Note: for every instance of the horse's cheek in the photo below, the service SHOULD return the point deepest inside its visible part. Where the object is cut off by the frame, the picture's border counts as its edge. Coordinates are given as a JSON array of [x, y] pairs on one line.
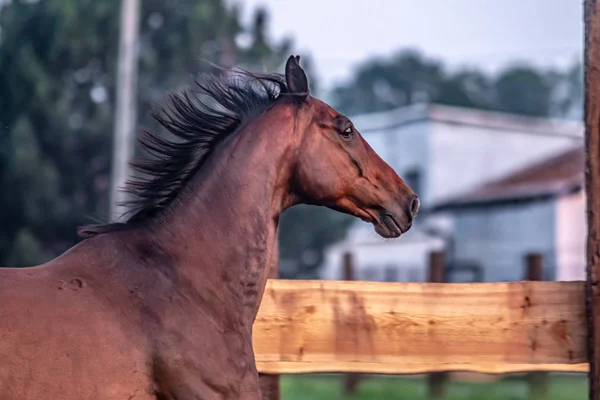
[[312, 180]]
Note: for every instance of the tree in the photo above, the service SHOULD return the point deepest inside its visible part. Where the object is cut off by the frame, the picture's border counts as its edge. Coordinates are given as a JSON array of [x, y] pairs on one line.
[[383, 84], [466, 88], [409, 77], [567, 96], [55, 125], [523, 90], [305, 233], [57, 84]]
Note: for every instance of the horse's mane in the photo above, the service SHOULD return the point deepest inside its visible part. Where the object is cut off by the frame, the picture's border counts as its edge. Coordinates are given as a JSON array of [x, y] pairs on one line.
[[196, 129]]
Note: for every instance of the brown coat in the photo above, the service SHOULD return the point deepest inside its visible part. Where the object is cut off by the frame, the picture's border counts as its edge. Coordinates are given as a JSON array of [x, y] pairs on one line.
[[162, 306]]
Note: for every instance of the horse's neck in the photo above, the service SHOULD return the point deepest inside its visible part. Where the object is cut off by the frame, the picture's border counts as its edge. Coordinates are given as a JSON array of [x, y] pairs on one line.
[[225, 231]]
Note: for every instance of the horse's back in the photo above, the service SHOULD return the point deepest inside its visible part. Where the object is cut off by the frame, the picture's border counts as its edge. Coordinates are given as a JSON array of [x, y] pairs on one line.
[[62, 338]]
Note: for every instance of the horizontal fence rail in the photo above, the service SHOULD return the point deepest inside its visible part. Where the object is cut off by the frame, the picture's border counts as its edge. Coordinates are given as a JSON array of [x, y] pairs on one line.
[[406, 328]]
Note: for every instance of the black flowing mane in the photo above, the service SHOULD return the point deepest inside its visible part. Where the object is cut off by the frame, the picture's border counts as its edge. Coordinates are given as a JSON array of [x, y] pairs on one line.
[[196, 129]]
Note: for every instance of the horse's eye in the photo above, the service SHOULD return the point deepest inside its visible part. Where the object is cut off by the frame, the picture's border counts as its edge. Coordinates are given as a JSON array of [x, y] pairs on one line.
[[347, 133]]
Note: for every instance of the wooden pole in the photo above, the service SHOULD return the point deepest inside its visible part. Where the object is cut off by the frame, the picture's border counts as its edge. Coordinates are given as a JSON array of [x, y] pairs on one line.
[[350, 380], [534, 267], [269, 384], [437, 274], [125, 109], [592, 186], [348, 267], [538, 380]]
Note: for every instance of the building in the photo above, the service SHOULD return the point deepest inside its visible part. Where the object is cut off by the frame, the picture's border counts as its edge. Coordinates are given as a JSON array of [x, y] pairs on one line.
[[442, 152], [539, 209], [376, 259]]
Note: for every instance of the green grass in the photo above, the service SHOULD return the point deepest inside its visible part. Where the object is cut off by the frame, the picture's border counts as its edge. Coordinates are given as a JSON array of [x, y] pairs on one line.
[[327, 387]]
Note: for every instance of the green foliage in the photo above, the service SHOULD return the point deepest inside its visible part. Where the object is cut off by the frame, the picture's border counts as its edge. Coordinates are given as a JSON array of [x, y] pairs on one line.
[[56, 140], [409, 77], [523, 90], [305, 233], [57, 95]]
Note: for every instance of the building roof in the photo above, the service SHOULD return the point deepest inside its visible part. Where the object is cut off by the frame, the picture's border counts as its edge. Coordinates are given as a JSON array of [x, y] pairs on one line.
[[386, 120], [555, 176]]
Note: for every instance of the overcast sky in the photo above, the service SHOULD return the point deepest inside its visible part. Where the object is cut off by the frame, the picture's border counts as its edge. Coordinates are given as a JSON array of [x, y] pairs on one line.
[[486, 33]]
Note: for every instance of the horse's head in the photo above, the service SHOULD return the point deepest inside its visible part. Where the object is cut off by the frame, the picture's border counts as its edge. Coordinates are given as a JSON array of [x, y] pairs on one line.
[[337, 168]]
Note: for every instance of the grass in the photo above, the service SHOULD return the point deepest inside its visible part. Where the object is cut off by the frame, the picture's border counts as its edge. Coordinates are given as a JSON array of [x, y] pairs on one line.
[[328, 387]]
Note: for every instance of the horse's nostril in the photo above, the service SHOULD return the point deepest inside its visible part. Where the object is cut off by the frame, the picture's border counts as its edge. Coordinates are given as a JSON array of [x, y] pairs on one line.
[[414, 206]]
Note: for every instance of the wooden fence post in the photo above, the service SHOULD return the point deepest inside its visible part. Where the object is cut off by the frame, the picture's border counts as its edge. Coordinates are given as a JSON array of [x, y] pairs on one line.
[[437, 380], [534, 265], [350, 380], [269, 384], [348, 267], [592, 186], [538, 380]]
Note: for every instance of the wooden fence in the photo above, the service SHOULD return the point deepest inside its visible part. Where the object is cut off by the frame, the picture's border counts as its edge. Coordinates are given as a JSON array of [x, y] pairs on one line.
[[406, 328]]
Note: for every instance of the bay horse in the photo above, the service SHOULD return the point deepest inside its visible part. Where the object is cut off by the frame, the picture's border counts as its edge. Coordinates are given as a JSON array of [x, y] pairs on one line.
[[161, 305]]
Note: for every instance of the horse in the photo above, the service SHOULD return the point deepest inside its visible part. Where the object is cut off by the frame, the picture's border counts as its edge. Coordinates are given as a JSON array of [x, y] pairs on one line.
[[160, 305]]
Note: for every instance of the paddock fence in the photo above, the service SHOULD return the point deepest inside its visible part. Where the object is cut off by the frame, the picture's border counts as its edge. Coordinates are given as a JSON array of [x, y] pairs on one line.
[[360, 327], [409, 328]]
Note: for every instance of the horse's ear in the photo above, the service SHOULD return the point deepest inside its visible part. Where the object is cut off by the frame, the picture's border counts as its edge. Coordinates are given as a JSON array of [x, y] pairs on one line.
[[296, 79]]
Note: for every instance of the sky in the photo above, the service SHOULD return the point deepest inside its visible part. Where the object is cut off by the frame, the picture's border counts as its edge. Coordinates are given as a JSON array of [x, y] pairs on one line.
[[488, 34]]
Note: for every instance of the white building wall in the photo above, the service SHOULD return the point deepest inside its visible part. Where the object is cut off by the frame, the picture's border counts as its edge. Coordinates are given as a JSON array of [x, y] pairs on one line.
[[462, 156], [499, 237], [374, 258], [571, 233], [404, 148], [451, 158]]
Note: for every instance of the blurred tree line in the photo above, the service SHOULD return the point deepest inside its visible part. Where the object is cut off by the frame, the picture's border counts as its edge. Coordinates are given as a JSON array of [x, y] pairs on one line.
[[58, 63], [57, 96], [410, 77]]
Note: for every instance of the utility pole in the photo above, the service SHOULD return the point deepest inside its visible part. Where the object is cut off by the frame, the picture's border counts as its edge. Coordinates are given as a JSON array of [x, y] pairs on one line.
[[125, 112]]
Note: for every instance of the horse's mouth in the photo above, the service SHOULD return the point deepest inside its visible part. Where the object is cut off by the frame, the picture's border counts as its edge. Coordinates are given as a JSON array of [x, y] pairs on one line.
[[393, 225], [385, 224], [388, 227]]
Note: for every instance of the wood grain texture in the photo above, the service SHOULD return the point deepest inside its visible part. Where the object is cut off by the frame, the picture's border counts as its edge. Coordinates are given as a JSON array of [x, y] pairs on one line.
[[402, 328], [592, 177], [538, 380], [269, 383], [437, 274], [351, 380]]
